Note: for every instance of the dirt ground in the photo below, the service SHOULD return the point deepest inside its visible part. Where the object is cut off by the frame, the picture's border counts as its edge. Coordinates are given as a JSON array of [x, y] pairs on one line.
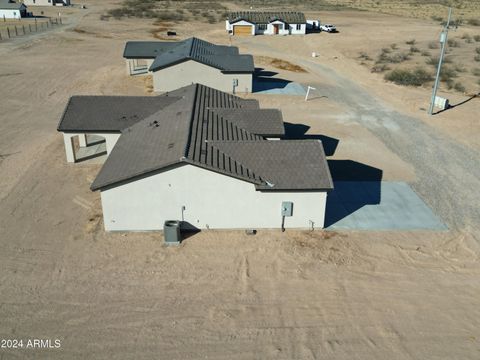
[[223, 294]]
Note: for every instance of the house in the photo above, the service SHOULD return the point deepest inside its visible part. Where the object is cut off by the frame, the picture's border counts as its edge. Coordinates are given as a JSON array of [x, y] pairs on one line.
[[9, 9], [201, 156], [266, 22], [181, 63], [47, 2]]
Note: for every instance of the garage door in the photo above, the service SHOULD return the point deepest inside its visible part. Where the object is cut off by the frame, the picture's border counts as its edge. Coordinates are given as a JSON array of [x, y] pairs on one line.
[[242, 30]]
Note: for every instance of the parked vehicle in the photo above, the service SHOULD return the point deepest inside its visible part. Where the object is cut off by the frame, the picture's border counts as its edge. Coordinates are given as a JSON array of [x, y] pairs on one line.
[[328, 28]]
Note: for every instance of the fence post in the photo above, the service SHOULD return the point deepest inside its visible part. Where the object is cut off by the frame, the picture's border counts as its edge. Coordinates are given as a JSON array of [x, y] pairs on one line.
[[36, 26], [23, 27], [4, 20], [29, 28], [0, 36], [16, 31], [8, 32]]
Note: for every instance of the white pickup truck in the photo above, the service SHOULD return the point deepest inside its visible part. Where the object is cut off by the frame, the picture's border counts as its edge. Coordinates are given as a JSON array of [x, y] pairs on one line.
[[328, 28]]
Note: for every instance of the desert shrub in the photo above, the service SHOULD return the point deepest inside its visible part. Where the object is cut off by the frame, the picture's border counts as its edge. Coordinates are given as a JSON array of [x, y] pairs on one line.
[[426, 53], [477, 58], [460, 68], [416, 77], [364, 56], [454, 22], [433, 45], [459, 87], [393, 46], [411, 42], [437, 18], [414, 49], [473, 22], [447, 74], [468, 38], [379, 68], [476, 38], [453, 43], [477, 50], [433, 60], [476, 71]]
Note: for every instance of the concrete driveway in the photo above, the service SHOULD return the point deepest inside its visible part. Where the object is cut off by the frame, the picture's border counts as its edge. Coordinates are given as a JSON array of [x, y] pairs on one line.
[[371, 205]]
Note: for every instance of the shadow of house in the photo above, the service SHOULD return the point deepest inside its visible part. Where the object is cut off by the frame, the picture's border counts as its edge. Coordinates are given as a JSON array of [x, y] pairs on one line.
[[355, 185], [263, 80], [261, 72], [298, 132]]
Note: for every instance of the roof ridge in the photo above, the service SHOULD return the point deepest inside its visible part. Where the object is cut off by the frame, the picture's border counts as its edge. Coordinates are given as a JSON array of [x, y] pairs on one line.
[[256, 177], [190, 127]]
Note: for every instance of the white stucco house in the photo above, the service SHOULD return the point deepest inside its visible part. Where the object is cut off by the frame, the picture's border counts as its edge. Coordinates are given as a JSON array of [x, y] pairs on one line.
[[266, 22], [202, 157], [181, 63], [9, 9], [47, 2]]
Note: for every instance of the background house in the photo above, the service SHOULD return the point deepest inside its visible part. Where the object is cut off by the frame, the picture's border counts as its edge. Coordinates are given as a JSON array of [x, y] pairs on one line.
[[181, 63], [205, 159], [47, 2], [9, 9], [266, 22]]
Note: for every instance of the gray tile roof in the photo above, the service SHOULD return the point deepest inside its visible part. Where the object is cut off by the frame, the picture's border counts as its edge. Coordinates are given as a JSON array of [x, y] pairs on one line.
[[191, 130], [283, 164], [224, 58], [266, 17], [10, 5], [264, 122], [109, 113]]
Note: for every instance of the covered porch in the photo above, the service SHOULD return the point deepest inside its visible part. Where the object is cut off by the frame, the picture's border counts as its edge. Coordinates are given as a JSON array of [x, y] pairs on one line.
[[82, 147]]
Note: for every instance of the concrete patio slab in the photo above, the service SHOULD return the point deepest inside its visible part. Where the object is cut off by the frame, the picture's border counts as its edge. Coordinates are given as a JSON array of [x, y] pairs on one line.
[[371, 205], [278, 88]]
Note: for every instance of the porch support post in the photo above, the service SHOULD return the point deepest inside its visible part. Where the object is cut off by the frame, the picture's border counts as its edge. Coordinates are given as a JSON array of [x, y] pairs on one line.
[[82, 139], [69, 149]]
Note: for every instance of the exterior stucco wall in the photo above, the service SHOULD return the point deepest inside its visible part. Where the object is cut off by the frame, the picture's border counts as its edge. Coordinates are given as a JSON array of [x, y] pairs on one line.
[[211, 200], [10, 14], [188, 72], [287, 28], [110, 141], [39, 2]]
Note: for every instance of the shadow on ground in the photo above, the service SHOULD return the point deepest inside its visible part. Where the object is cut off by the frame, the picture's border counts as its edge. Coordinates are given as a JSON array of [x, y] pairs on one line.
[[355, 185], [299, 132], [452, 106]]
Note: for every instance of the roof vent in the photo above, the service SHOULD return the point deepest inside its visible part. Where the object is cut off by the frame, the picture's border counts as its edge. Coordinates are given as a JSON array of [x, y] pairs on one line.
[[269, 184], [171, 145]]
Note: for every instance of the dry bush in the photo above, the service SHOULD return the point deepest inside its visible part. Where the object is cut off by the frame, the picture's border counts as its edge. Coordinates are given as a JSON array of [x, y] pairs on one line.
[[433, 45], [453, 43], [414, 49], [411, 42], [364, 56], [379, 68], [476, 71], [426, 53], [447, 73], [476, 38], [473, 22], [416, 77], [459, 87]]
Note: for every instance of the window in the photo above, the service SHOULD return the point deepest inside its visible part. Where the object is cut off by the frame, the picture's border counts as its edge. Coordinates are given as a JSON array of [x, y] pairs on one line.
[[299, 26], [262, 26]]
